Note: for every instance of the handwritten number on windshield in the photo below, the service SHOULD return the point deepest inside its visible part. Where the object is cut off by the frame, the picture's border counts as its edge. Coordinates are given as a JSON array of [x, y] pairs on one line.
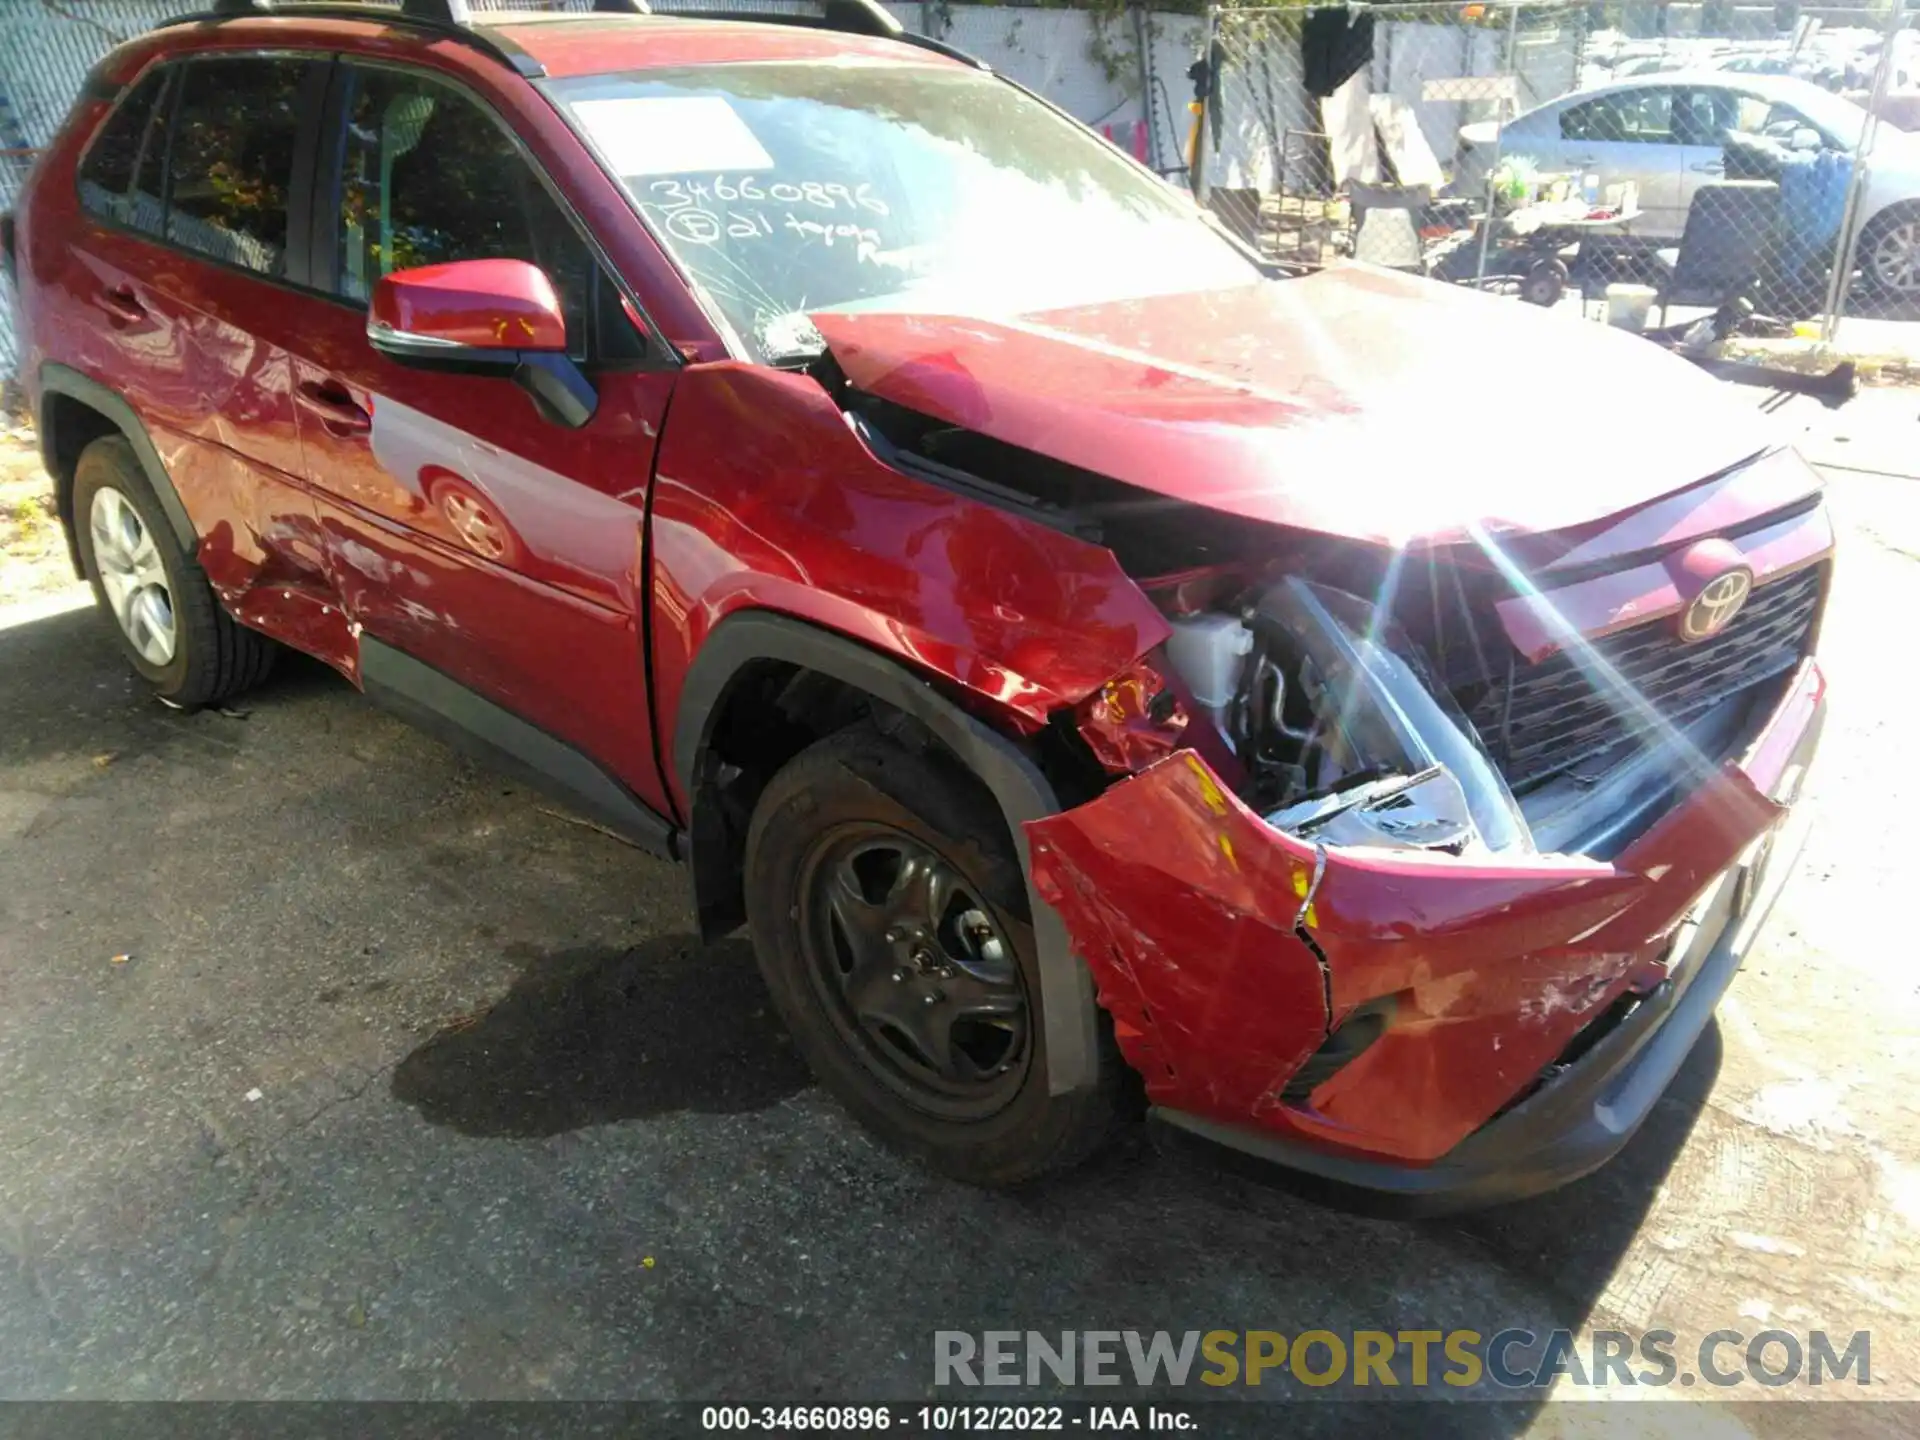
[[672, 195]]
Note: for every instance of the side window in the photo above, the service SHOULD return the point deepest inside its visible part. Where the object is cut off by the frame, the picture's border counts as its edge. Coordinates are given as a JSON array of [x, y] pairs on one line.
[[428, 177], [231, 168], [1697, 118], [1634, 116], [128, 146]]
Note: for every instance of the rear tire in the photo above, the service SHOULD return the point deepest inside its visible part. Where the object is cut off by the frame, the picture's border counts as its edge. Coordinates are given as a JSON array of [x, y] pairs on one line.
[[169, 622], [889, 916], [1889, 253]]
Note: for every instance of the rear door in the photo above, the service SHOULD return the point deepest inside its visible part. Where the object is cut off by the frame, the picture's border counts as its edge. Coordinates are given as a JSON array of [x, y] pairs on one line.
[[1702, 114], [1627, 135], [496, 548], [193, 192]]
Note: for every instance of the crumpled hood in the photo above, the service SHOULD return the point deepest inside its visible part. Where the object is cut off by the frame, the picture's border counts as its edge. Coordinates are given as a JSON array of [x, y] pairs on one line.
[[1354, 402]]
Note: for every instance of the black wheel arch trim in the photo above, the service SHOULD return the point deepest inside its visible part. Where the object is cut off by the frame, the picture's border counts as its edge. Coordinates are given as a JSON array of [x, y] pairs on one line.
[[1070, 1012], [58, 379]]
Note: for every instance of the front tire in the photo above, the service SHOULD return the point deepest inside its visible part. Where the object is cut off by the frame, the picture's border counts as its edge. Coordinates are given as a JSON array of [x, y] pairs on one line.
[[170, 624], [889, 916]]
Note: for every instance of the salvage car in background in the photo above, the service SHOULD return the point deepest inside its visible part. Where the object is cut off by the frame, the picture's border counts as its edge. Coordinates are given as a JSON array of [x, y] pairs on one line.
[[1665, 133], [1060, 639]]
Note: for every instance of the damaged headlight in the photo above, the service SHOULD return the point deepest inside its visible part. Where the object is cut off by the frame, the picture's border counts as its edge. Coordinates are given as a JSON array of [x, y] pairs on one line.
[[1347, 739]]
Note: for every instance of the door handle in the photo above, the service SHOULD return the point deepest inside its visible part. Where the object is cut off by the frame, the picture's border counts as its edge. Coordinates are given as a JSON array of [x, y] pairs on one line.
[[329, 403], [122, 305], [1710, 167], [1579, 160]]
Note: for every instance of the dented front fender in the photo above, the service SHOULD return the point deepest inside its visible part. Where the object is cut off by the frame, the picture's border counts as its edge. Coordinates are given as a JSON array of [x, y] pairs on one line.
[[1227, 951]]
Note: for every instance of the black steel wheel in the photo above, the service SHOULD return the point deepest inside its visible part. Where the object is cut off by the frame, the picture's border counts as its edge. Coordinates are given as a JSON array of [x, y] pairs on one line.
[[889, 917], [915, 970]]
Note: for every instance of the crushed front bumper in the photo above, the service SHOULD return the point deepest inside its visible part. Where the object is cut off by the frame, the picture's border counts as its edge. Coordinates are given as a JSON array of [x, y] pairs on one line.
[[1228, 954]]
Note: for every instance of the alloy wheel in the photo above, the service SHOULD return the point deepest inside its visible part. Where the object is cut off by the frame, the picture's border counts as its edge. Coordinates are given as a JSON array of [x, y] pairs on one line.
[[1894, 259], [916, 971], [133, 576]]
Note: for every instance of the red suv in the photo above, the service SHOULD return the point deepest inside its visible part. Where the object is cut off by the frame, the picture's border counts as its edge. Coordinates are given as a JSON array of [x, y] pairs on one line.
[[1354, 712]]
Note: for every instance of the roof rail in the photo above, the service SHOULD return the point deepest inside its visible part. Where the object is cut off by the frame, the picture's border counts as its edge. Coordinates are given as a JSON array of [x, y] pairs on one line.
[[455, 20], [447, 19], [855, 17]]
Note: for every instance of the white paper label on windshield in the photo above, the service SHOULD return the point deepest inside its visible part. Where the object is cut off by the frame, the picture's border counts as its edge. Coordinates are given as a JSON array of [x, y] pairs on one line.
[[671, 135]]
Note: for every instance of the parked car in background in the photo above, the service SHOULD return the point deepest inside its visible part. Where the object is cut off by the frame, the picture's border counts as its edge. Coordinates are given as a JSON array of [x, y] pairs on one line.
[[1082, 656], [1666, 134]]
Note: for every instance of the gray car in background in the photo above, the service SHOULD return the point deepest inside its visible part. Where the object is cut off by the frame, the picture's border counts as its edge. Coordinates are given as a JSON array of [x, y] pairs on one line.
[[1665, 133]]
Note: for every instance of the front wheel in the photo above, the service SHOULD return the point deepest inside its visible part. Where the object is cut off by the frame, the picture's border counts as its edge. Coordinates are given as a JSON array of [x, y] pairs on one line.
[[889, 916]]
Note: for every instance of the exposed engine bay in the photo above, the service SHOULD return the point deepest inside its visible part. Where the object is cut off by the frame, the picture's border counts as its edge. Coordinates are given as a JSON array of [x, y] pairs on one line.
[[1344, 734], [1411, 722]]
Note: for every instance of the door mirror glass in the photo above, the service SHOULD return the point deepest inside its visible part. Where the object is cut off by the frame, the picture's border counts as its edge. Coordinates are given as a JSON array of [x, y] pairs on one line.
[[1805, 138], [484, 308]]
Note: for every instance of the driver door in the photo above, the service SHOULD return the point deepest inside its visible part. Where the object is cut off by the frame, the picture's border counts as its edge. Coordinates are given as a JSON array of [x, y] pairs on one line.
[[490, 547]]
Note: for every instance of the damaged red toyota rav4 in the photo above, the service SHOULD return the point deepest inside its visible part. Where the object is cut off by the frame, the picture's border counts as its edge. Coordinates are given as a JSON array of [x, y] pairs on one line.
[[1077, 652]]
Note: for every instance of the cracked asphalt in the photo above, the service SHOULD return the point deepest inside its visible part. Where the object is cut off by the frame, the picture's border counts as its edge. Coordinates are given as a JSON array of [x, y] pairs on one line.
[[410, 1087]]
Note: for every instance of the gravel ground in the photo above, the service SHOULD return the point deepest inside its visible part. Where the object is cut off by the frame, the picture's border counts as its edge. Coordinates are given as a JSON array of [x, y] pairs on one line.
[[332, 1067]]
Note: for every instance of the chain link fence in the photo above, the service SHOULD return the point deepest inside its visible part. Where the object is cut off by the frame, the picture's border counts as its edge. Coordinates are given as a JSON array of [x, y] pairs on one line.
[[1754, 177]]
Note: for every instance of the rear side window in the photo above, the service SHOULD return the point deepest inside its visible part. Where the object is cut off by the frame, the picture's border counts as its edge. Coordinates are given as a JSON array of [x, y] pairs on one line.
[[129, 147], [429, 177], [235, 128]]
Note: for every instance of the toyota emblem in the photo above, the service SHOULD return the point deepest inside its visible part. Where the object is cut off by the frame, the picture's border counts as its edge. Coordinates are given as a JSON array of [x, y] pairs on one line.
[[1715, 606]]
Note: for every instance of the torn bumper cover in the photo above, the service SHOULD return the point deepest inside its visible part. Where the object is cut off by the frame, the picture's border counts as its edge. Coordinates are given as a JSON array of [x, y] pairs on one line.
[[1448, 1029]]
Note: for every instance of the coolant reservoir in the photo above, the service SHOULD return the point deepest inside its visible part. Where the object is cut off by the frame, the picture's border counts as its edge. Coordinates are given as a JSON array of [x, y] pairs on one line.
[[1210, 652]]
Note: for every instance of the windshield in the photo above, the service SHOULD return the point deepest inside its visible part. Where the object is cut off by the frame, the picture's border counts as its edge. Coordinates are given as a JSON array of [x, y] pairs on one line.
[[785, 189], [1840, 118]]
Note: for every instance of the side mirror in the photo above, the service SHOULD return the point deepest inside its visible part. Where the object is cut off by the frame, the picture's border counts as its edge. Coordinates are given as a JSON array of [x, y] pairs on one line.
[[1805, 138], [482, 317]]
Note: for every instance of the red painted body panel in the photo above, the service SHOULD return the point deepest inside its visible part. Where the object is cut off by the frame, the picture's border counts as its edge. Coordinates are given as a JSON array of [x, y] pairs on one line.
[[793, 514], [1342, 403], [208, 370], [481, 304], [1495, 966]]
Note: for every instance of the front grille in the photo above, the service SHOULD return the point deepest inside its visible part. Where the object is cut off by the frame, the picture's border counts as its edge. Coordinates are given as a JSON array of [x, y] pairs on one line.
[[1546, 719]]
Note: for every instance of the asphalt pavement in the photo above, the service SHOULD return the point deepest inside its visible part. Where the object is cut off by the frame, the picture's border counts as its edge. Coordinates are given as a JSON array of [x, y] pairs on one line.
[[333, 1066]]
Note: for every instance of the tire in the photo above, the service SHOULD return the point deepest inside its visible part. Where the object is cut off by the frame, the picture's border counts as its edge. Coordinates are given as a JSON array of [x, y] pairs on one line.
[[169, 622], [1889, 253], [1546, 282], [833, 816]]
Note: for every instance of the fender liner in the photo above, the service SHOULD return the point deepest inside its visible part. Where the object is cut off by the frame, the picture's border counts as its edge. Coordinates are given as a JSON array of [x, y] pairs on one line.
[[58, 379], [1022, 792]]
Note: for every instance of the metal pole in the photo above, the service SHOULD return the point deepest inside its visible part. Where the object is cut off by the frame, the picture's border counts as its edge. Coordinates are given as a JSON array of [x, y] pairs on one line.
[[1143, 52], [1499, 142], [1841, 280], [1203, 116]]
